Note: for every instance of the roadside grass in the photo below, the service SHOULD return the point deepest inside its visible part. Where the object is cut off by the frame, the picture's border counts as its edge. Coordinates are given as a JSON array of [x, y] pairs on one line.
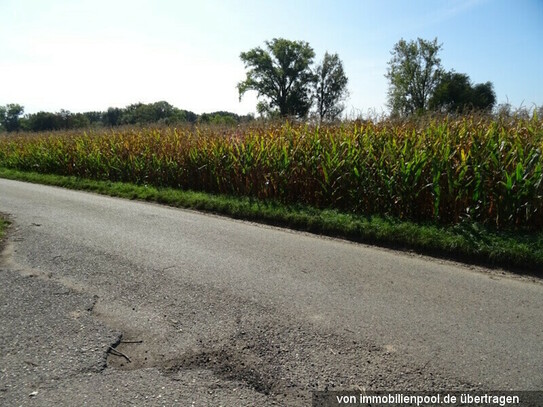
[[3, 226], [467, 242]]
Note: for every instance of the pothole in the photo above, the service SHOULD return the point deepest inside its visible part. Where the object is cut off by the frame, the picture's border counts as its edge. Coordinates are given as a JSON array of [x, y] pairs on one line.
[[226, 365], [283, 359]]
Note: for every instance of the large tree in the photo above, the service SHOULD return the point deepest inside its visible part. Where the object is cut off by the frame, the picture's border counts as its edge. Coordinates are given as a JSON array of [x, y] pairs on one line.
[[281, 74], [455, 94], [330, 87], [413, 72], [452, 93], [483, 96]]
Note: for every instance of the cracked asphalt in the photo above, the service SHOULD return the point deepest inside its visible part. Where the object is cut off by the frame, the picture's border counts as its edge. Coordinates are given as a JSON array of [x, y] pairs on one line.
[[108, 302]]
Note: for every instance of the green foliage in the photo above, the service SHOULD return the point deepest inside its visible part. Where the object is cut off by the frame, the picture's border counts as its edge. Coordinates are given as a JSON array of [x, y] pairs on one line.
[[144, 114], [112, 117], [161, 113], [63, 120], [223, 118], [330, 87], [281, 74], [452, 93], [10, 117], [3, 226], [141, 113], [444, 171], [413, 72], [483, 96], [78, 121], [44, 121], [455, 94], [94, 118], [467, 241]]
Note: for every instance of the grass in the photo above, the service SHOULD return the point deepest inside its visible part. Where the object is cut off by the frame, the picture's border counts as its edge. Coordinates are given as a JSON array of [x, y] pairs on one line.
[[3, 227], [466, 241]]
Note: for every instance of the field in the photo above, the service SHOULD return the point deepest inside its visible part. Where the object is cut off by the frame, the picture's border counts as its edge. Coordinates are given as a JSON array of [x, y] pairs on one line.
[[441, 171]]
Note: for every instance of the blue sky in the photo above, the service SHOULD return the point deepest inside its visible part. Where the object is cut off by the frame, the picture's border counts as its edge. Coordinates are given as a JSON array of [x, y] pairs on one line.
[[93, 54]]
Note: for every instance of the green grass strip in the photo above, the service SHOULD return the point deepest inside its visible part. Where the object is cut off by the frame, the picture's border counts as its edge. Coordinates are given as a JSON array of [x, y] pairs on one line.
[[3, 226], [471, 243]]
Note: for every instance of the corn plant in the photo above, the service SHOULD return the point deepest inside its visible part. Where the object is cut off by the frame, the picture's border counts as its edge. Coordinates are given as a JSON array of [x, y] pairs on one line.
[[443, 171]]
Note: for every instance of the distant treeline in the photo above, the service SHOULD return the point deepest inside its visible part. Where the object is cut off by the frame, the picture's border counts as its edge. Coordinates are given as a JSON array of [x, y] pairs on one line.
[[12, 117]]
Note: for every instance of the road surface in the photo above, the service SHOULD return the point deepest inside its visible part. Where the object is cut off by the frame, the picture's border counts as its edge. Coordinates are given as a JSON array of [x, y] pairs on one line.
[[106, 301]]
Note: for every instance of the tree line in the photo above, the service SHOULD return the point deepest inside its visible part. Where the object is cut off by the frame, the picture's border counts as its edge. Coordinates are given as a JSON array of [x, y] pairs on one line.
[[12, 117], [288, 84]]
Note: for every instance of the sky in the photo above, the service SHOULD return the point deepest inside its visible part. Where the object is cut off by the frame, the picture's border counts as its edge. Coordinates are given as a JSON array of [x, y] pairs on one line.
[[89, 55]]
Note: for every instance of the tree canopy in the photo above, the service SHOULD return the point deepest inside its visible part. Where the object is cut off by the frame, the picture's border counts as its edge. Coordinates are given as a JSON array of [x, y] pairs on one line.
[[330, 87], [454, 93], [418, 83], [281, 74], [483, 96], [287, 85], [10, 116], [413, 72]]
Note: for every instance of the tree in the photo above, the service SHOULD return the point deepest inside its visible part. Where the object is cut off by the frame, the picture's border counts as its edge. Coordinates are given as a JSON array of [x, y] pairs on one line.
[[414, 71], [163, 111], [10, 116], [79, 121], [158, 112], [454, 93], [138, 113], [94, 118], [281, 74], [112, 117], [2, 117], [330, 87], [44, 121], [483, 96], [175, 116]]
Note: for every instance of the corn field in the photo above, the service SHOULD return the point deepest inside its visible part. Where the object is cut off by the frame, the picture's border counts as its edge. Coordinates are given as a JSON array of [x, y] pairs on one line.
[[445, 171]]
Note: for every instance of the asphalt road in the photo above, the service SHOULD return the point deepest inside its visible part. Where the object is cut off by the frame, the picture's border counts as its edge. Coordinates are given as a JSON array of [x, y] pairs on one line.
[[202, 310]]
